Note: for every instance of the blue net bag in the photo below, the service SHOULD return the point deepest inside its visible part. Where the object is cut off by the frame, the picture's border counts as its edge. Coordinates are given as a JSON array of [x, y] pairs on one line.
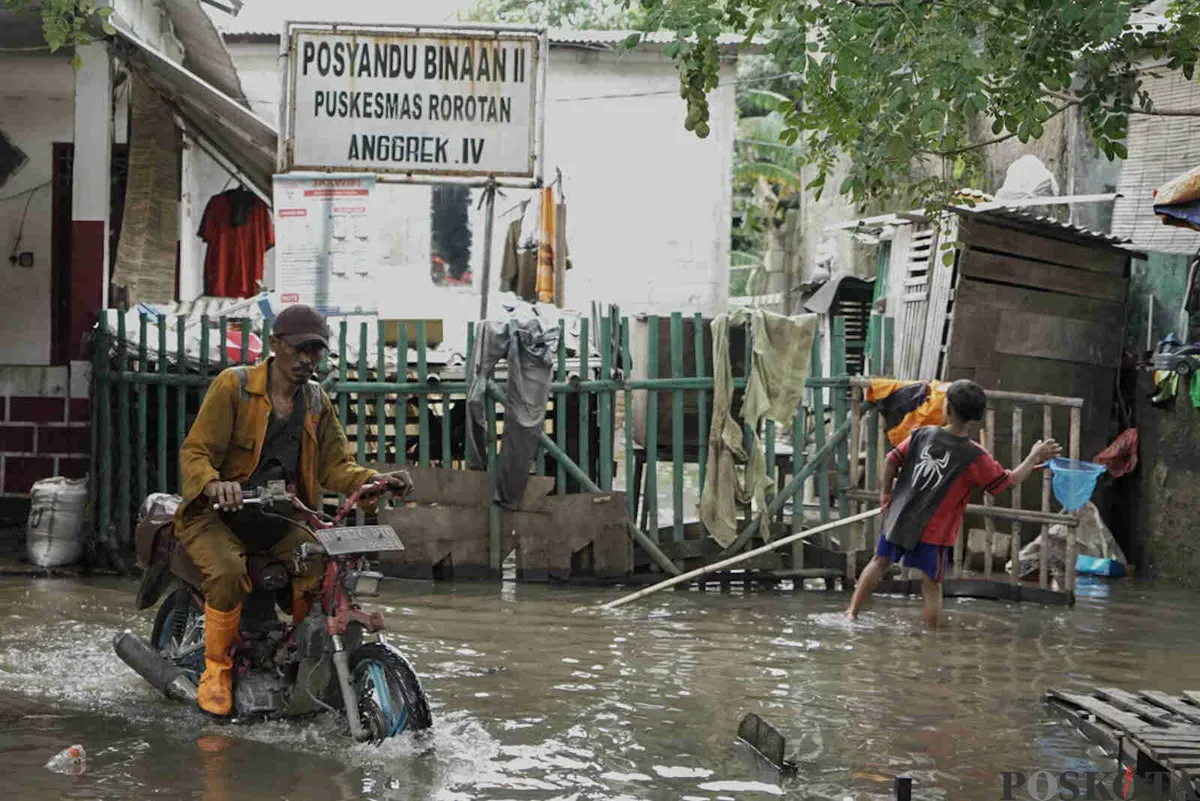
[[1074, 481]]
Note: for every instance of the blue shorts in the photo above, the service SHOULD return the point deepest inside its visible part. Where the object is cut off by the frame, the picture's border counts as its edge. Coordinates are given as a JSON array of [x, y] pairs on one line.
[[929, 559]]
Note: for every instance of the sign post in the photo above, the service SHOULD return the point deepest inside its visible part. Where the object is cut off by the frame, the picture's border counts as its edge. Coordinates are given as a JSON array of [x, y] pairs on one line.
[[457, 104], [410, 103]]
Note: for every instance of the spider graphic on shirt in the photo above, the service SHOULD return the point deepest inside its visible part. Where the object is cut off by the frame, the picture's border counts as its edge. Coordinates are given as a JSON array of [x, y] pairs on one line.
[[930, 470]]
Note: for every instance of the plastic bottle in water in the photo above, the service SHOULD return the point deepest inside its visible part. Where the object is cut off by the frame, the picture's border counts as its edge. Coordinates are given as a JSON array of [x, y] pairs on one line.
[[71, 761]]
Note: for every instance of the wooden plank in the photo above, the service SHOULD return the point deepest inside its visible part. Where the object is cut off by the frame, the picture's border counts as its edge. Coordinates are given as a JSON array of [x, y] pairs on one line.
[[980, 588], [982, 296], [1179, 707], [941, 278], [1192, 695], [1039, 275], [985, 236], [1104, 711], [1045, 336], [1130, 703]]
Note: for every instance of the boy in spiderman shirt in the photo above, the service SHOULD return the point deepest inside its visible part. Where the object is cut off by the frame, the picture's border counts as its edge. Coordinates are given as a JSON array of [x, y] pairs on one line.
[[933, 473]]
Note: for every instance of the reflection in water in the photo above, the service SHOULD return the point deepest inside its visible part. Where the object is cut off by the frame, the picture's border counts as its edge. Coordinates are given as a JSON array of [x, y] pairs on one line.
[[535, 700]]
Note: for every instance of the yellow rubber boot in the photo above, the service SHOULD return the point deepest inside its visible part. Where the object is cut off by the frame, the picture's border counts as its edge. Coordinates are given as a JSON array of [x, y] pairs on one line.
[[215, 693]]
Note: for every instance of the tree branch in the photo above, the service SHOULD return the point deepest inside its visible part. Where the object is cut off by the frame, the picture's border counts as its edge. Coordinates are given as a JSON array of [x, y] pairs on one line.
[[997, 140], [1158, 112]]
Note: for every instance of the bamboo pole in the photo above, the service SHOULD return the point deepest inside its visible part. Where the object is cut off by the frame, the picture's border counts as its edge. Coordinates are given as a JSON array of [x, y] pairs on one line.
[[733, 560], [998, 512]]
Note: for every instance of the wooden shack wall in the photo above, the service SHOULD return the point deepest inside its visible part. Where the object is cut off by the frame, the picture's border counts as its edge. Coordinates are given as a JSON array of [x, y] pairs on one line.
[[1039, 314]]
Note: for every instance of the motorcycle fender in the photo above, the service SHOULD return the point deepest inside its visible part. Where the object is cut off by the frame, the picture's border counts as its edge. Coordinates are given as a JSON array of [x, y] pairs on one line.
[[155, 582]]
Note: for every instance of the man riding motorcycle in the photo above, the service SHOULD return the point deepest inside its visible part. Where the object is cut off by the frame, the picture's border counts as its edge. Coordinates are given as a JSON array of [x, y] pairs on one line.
[[257, 424]]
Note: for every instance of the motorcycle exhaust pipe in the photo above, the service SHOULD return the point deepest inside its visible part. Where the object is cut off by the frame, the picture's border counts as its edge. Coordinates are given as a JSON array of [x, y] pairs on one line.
[[161, 673]]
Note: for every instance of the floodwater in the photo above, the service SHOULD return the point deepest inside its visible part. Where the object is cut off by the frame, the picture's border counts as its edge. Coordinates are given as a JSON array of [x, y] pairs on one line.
[[534, 699]]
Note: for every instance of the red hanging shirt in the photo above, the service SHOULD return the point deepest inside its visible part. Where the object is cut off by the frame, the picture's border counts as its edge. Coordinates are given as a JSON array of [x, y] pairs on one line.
[[234, 264]]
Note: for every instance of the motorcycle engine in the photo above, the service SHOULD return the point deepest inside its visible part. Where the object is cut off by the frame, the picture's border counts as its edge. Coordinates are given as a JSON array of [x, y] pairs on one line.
[[260, 693]]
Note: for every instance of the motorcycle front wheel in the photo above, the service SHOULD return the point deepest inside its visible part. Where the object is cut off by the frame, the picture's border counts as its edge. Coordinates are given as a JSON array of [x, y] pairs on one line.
[[390, 697]]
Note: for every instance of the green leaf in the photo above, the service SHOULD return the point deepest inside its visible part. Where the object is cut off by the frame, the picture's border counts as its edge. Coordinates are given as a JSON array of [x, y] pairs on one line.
[[1120, 151], [631, 41]]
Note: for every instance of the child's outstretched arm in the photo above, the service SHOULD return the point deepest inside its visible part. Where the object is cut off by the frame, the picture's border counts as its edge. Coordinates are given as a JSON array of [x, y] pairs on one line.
[[1039, 454]]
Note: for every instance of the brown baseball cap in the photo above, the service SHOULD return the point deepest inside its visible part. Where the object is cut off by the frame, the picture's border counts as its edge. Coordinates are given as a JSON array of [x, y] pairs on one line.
[[301, 325]]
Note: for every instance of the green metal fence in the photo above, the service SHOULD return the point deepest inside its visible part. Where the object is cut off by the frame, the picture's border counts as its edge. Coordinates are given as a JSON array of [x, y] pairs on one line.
[[147, 390]]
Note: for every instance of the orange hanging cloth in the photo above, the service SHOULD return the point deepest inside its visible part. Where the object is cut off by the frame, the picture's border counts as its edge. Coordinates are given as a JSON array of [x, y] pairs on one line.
[[907, 405], [545, 260]]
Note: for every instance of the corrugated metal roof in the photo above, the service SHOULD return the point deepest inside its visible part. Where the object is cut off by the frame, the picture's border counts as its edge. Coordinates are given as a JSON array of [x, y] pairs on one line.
[[1052, 226], [1160, 148], [204, 51]]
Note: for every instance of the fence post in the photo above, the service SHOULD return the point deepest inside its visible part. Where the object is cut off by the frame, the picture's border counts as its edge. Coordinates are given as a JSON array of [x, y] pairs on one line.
[[651, 507], [560, 405], [989, 427], [381, 398], [1018, 456], [1044, 571], [677, 464], [143, 386], [162, 404], [701, 400], [1073, 453], [102, 413], [837, 368], [123, 434], [606, 406], [423, 399]]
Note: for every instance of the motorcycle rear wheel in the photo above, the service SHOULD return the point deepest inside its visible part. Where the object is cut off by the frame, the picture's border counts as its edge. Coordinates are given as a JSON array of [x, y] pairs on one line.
[[175, 616], [390, 697]]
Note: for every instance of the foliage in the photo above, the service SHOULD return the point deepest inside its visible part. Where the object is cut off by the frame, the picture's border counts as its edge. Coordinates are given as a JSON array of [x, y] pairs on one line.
[[573, 14], [900, 86], [66, 23]]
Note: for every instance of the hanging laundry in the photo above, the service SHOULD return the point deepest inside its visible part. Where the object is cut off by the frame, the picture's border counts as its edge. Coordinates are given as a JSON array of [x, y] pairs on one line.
[[237, 229], [1121, 456], [545, 256], [528, 341], [908, 405], [778, 375]]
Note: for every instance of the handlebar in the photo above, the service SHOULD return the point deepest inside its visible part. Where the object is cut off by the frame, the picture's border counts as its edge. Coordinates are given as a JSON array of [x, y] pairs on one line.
[[277, 491]]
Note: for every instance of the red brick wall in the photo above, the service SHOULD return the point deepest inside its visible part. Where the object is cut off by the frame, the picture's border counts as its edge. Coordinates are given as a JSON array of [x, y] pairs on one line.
[[40, 438]]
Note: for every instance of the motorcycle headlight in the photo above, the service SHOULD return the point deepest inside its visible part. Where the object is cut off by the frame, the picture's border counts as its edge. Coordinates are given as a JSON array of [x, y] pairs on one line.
[[363, 582]]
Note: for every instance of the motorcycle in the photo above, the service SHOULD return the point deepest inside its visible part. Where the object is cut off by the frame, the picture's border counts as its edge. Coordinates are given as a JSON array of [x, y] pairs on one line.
[[281, 670]]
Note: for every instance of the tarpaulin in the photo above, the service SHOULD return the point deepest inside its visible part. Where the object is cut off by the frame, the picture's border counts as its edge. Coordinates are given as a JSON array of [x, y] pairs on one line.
[[908, 405], [1177, 202]]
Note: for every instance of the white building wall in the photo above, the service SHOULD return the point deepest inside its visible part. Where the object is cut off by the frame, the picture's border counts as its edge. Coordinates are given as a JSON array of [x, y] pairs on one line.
[[36, 110], [648, 204]]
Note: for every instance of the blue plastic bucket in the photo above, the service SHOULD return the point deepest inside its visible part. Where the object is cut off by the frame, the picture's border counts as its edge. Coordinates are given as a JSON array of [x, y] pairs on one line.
[[1074, 481]]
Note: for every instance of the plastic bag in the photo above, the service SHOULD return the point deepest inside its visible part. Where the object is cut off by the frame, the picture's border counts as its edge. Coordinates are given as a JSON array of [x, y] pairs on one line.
[[1027, 177]]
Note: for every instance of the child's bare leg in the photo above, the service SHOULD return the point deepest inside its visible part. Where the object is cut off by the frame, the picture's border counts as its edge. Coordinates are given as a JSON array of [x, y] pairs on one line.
[[867, 583], [932, 592]]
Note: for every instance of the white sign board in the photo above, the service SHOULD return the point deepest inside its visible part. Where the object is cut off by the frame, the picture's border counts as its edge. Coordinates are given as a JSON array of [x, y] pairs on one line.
[[327, 254], [413, 102]]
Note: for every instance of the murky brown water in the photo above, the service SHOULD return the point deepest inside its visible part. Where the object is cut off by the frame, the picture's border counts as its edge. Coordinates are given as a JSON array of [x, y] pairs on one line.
[[536, 701]]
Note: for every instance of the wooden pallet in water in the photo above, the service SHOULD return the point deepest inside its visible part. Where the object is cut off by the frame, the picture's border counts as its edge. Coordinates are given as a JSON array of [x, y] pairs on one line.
[[1152, 731]]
